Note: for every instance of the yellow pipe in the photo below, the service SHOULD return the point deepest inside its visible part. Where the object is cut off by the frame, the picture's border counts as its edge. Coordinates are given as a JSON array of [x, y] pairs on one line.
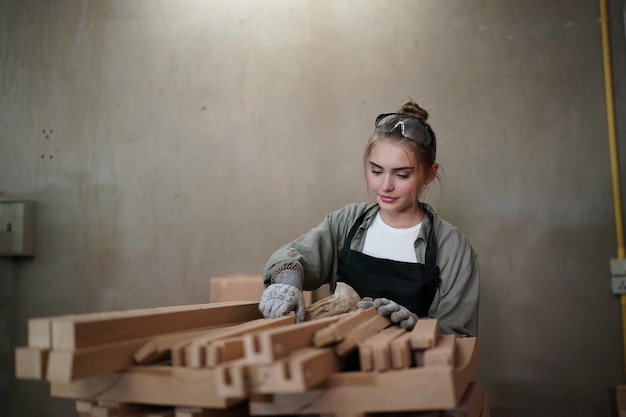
[[610, 115]]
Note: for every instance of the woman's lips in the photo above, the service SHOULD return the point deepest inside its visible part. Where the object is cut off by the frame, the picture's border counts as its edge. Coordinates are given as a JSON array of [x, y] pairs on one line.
[[386, 199]]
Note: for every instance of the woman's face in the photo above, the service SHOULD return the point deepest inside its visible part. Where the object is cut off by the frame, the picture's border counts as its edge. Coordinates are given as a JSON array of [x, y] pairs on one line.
[[392, 177]]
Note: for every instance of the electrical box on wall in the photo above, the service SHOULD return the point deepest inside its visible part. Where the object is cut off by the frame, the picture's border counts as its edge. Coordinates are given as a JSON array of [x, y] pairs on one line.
[[17, 227]]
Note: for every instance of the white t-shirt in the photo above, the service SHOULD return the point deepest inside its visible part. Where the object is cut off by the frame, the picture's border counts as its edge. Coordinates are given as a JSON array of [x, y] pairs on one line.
[[384, 241]]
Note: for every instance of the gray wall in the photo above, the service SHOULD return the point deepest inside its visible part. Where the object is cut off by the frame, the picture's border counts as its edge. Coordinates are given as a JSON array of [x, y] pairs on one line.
[[166, 142]]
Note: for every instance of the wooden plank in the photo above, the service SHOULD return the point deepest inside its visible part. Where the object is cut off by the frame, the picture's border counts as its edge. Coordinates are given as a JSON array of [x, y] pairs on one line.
[[70, 365], [336, 332], [375, 351], [415, 389], [424, 334], [91, 330], [360, 333], [443, 353], [300, 371], [31, 362], [156, 385], [264, 347]]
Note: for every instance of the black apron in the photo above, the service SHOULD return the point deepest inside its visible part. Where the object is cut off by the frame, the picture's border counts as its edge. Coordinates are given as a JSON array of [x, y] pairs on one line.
[[412, 285]]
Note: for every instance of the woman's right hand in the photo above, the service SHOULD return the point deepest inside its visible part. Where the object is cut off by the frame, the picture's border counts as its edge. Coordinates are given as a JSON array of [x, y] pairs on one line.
[[283, 296]]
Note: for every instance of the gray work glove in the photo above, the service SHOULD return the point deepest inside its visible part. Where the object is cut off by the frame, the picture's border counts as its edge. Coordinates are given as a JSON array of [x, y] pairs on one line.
[[283, 297], [365, 303], [395, 312]]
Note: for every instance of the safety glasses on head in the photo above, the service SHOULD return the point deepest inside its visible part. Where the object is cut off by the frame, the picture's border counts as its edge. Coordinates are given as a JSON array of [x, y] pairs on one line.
[[411, 127]]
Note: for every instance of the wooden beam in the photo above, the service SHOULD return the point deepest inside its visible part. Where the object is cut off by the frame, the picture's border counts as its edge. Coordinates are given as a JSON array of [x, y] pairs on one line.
[[424, 334], [31, 362], [70, 365], [90, 330], [156, 385]]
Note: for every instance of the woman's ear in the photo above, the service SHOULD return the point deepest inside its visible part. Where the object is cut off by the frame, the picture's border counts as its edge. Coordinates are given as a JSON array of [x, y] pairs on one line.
[[432, 173]]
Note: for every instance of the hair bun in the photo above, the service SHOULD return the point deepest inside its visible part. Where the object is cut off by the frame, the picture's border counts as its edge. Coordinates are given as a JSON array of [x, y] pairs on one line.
[[414, 109]]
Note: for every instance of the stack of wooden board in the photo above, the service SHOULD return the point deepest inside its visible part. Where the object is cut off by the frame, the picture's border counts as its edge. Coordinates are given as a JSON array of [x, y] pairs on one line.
[[222, 359]]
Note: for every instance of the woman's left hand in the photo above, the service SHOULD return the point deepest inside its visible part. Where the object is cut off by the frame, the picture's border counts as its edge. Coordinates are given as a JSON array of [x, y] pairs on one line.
[[396, 313]]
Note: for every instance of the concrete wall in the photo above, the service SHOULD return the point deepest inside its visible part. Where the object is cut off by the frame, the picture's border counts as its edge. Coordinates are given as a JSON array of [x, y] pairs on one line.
[[166, 142]]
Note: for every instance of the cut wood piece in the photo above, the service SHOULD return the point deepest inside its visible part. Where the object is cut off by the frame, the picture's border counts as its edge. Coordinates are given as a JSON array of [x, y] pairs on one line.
[[266, 346], [424, 334], [39, 333], [300, 371], [401, 352], [471, 403], [225, 350], [231, 379], [198, 350], [375, 351], [91, 330], [336, 332], [155, 385], [443, 353], [415, 389], [159, 347], [360, 333], [31, 362], [70, 365]]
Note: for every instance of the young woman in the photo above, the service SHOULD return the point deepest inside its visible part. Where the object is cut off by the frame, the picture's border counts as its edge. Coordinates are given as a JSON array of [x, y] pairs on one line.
[[396, 253]]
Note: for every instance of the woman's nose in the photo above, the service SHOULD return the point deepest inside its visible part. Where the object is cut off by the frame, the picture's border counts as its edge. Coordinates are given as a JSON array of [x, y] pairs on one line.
[[387, 183]]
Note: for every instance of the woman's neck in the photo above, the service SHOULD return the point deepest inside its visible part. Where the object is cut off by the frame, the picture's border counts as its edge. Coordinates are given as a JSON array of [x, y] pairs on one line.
[[402, 219]]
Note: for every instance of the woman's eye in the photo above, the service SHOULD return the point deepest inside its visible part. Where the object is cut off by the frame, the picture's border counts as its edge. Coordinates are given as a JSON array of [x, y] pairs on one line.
[[375, 172], [403, 176]]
